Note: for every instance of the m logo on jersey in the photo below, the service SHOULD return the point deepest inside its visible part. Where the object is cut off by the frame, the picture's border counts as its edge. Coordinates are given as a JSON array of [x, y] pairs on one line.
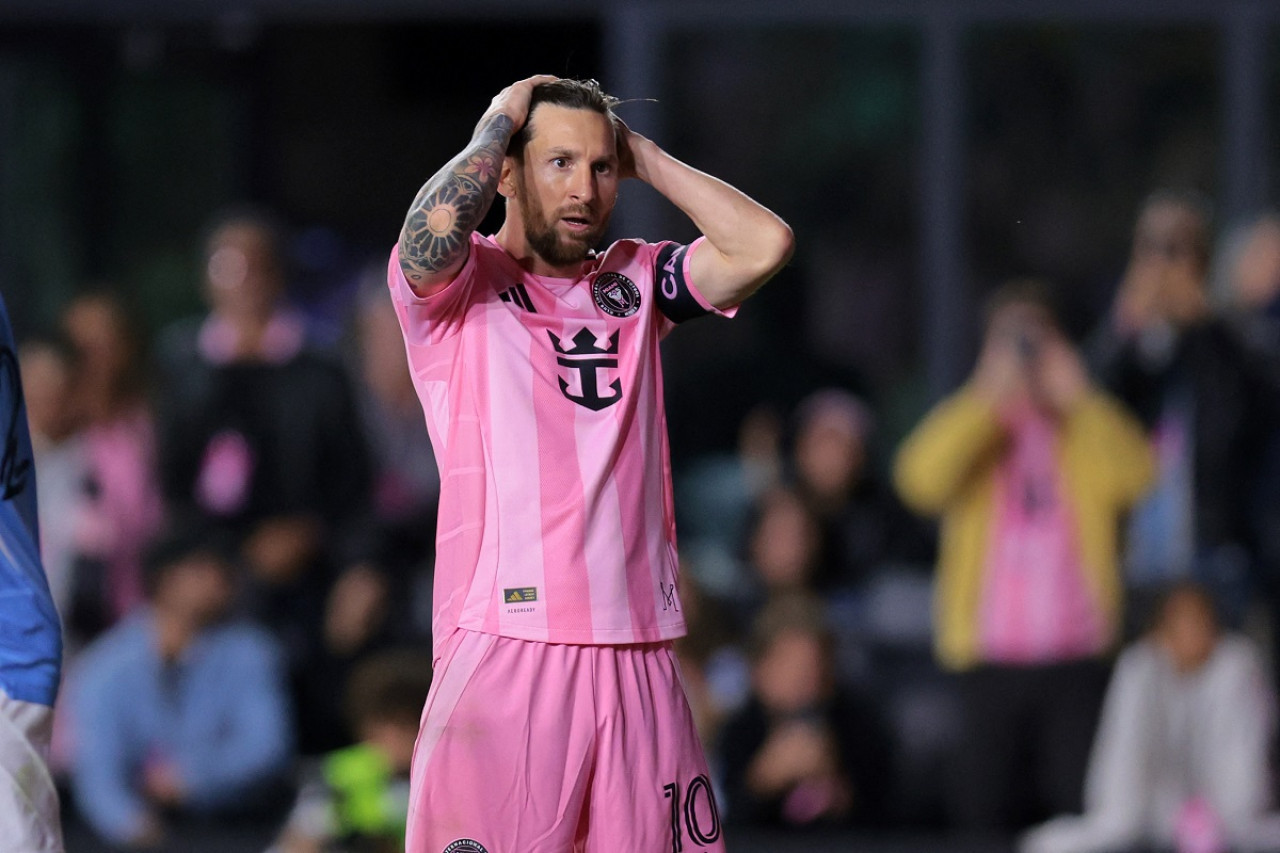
[[588, 359], [518, 296], [616, 294]]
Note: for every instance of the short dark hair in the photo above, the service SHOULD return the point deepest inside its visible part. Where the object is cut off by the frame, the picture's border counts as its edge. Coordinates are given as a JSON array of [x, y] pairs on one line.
[[1194, 202], [801, 612], [179, 545], [1020, 291], [248, 215], [389, 686], [573, 94]]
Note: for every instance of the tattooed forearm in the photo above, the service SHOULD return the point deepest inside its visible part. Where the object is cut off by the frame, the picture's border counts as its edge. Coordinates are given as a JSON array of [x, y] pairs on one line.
[[451, 205]]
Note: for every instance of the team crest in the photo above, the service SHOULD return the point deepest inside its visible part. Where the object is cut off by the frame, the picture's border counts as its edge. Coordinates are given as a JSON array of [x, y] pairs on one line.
[[465, 845], [616, 294]]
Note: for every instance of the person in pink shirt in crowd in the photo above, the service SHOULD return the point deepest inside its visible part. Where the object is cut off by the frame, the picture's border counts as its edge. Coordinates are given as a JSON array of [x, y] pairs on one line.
[[1032, 470], [556, 718], [125, 509]]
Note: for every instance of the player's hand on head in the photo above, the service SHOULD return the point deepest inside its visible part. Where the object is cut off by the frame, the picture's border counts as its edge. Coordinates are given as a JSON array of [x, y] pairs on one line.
[[627, 140], [513, 101]]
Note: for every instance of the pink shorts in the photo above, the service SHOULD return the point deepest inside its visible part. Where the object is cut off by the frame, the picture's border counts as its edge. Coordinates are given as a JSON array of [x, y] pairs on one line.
[[530, 747]]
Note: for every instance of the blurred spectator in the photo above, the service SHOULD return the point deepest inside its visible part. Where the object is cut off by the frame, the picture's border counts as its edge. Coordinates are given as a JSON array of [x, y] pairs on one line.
[[713, 667], [715, 498], [48, 368], [863, 523], [1249, 286], [785, 548], [1208, 404], [176, 713], [259, 434], [125, 509], [1031, 469], [802, 751], [358, 801], [1182, 753], [406, 484]]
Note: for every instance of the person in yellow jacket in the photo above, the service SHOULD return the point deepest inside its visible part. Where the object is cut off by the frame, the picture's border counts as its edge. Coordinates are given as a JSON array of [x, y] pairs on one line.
[[1031, 469]]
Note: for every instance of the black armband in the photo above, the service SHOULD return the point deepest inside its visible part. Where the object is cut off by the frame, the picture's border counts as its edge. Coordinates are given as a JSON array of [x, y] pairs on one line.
[[671, 289]]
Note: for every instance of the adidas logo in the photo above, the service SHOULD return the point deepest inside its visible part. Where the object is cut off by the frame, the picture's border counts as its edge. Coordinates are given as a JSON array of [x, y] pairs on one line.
[[518, 296]]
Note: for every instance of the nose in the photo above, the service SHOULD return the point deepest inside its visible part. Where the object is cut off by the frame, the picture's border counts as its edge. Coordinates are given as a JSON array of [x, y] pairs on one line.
[[582, 185]]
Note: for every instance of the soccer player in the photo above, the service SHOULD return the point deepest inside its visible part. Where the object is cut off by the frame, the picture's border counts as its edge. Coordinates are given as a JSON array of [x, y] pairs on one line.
[[557, 720], [30, 634]]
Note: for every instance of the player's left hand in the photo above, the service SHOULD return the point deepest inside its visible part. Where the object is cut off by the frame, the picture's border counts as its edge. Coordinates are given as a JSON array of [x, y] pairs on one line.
[[628, 142]]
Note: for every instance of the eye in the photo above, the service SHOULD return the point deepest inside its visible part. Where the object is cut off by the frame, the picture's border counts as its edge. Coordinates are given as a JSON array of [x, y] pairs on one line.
[[560, 162], [604, 168]]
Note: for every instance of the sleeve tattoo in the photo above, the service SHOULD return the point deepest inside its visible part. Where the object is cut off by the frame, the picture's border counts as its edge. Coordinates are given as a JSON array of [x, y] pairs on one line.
[[452, 204]]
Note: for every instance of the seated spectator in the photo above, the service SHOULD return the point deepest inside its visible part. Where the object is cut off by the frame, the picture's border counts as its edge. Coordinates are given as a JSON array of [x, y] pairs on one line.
[[174, 712], [1032, 470], [1182, 753], [715, 497], [863, 522], [785, 547], [358, 800], [802, 751], [713, 666]]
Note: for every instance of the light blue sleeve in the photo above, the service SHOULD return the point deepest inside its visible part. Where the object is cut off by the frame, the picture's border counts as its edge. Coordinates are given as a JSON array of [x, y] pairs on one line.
[[255, 745], [103, 769]]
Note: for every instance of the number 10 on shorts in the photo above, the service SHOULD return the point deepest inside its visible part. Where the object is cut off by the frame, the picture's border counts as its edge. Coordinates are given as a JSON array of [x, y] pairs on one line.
[[695, 812]]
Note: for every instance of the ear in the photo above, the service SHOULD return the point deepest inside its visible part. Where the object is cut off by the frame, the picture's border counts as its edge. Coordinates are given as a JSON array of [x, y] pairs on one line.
[[507, 177]]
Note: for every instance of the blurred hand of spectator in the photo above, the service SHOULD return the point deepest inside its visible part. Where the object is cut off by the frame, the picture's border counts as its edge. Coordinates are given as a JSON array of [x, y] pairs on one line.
[[355, 608], [1061, 380], [796, 751]]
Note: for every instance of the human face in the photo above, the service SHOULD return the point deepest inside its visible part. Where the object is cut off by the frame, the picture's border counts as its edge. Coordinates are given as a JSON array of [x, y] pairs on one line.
[[566, 185], [242, 276]]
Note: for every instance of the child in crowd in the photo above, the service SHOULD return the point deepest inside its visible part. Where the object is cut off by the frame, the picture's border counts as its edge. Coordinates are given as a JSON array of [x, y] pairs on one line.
[[358, 798]]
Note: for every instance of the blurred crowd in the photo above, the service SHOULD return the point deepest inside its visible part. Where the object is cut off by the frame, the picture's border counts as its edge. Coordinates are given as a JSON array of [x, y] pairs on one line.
[[1051, 612]]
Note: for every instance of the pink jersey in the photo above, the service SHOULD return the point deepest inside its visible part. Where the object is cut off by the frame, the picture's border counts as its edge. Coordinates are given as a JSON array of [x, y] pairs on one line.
[[543, 399]]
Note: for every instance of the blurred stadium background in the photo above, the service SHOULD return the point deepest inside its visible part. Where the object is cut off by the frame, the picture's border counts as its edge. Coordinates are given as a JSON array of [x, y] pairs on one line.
[[923, 150]]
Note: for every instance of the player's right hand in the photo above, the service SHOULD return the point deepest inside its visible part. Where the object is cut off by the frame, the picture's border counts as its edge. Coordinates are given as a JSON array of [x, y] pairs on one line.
[[513, 101]]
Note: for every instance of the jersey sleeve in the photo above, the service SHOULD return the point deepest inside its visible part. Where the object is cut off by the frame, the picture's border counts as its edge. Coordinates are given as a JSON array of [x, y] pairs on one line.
[[430, 319], [677, 295]]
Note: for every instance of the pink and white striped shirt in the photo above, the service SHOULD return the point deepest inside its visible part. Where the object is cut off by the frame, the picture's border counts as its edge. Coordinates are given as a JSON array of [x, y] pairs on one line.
[[543, 400]]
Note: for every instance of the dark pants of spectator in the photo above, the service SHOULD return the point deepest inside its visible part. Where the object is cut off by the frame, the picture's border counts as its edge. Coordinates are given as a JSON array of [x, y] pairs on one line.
[[1024, 748]]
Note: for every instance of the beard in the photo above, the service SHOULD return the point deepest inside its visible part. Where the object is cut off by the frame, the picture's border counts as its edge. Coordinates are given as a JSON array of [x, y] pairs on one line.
[[540, 231]]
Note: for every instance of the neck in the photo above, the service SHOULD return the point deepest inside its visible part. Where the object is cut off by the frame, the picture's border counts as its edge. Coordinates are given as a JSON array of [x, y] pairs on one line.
[[511, 238], [174, 634]]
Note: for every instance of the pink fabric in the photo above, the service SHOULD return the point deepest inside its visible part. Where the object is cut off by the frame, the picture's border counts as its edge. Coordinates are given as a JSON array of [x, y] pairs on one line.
[[1036, 605], [544, 748], [282, 339], [566, 505], [226, 473], [127, 510]]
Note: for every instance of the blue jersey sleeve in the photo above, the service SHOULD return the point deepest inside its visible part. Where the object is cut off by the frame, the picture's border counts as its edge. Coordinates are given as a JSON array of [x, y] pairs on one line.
[[30, 634]]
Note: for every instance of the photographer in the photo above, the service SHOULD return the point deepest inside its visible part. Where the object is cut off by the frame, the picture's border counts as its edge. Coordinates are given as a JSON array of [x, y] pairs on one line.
[[1031, 469]]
